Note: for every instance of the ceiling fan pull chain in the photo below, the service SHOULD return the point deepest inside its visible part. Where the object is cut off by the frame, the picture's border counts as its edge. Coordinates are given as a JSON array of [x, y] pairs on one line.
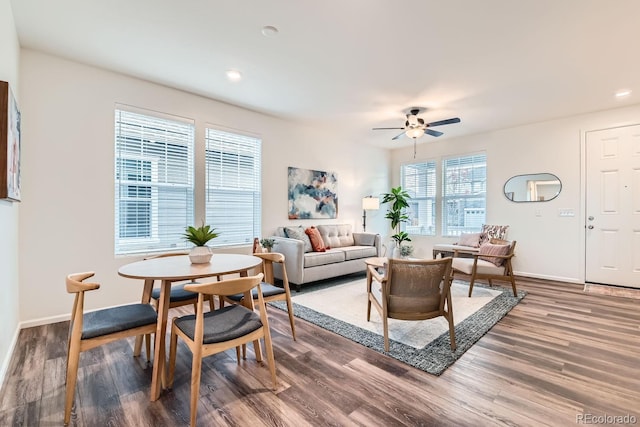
[[414, 148]]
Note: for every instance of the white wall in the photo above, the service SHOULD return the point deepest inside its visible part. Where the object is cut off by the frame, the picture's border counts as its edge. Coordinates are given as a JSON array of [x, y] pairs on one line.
[[9, 283], [66, 218], [549, 246]]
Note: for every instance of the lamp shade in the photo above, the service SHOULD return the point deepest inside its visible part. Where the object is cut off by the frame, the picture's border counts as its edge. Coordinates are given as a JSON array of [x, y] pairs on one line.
[[370, 203]]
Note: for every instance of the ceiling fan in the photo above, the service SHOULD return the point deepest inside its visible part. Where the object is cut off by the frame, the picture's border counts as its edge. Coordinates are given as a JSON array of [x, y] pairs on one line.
[[415, 126]]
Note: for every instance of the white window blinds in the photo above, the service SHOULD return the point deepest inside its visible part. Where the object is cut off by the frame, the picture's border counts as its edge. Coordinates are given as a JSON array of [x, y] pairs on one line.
[[153, 181], [233, 186], [464, 193], [419, 180]]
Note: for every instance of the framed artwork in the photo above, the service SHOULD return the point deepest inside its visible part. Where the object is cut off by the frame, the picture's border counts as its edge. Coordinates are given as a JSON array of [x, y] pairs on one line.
[[312, 194], [9, 145]]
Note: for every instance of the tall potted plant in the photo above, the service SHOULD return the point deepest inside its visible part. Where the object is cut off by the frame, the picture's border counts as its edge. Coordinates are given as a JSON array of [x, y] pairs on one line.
[[200, 236], [398, 200]]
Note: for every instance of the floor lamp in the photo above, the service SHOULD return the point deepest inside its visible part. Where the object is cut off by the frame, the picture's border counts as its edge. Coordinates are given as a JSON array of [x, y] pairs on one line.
[[369, 203]]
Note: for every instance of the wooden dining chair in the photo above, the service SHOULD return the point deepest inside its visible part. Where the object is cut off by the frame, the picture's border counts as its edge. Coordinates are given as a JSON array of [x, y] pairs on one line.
[[269, 290], [412, 290], [177, 298], [92, 329], [216, 331]]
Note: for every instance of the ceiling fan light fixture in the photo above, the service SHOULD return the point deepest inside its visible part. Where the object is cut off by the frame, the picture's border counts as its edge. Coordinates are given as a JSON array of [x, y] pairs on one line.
[[414, 132]]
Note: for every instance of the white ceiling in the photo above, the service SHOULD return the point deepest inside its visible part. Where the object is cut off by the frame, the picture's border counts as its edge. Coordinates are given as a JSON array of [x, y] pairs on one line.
[[358, 64]]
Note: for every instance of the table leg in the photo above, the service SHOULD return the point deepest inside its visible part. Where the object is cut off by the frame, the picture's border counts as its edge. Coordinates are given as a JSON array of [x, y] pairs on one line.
[[146, 297], [369, 280], [159, 376]]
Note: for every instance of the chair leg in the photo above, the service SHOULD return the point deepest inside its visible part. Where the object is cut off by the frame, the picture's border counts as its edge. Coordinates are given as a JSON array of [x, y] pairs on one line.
[[268, 348], [238, 354], [137, 347], [473, 279], [513, 286], [196, 368], [256, 349], [452, 332], [211, 303], [73, 357], [385, 327], [290, 310], [147, 340], [172, 357]]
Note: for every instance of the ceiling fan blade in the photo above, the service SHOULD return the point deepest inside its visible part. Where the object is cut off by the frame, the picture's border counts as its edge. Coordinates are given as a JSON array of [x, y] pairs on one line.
[[444, 122], [433, 132], [386, 128], [397, 136]]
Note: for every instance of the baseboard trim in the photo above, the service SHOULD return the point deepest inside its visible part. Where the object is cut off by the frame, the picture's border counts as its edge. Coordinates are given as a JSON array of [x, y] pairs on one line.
[[44, 321], [7, 360], [547, 277]]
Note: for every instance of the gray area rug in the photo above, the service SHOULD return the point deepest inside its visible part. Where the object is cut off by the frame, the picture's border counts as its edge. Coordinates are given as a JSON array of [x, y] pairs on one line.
[[434, 357]]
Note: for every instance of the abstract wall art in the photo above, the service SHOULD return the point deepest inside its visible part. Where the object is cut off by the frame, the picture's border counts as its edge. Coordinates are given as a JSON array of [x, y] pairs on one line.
[[312, 194], [9, 145]]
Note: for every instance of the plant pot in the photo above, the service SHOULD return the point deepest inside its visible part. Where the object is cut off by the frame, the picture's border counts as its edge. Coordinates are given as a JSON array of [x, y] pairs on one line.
[[200, 255]]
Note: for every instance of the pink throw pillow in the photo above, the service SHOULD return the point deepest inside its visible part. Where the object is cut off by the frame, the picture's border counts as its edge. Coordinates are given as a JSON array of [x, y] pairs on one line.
[[488, 249]]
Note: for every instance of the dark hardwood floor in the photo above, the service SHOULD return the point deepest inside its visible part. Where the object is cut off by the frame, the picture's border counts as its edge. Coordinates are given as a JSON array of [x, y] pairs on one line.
[[561, 354]]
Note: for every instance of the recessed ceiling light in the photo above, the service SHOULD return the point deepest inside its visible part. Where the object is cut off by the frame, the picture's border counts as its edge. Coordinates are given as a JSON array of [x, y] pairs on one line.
[[269, 31], [234, 75], [623, 93]]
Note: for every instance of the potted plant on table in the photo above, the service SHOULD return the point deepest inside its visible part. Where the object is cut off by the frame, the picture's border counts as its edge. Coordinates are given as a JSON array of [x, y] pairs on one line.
[[268, 243], [200, 236], [399, 202]]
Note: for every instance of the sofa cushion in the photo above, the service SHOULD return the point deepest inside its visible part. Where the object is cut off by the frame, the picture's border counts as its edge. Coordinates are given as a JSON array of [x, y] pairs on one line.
[[336, 235], [298, 233], [316, 240], [465, 265], [357, 252], [314, 259]]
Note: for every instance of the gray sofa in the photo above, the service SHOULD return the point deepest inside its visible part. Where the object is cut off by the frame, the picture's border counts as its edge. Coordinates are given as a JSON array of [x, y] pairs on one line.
[[345, 256]]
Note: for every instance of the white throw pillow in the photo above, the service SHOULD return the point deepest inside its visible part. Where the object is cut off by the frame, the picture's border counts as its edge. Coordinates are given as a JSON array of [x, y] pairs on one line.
[[470, 239]]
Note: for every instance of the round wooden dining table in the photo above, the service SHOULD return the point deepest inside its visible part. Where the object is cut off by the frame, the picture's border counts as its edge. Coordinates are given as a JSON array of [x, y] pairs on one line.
[[173, 269]]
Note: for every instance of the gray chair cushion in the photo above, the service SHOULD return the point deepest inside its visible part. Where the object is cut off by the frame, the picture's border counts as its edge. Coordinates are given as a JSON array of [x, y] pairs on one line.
[[177, 293], [117, 319], [268, 290], [228, 323]]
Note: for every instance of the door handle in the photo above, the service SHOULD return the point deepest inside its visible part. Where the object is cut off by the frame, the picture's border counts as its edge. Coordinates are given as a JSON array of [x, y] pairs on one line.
[[590, 227]]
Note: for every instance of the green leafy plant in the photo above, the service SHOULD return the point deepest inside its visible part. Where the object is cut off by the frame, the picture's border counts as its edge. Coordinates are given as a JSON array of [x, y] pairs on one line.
[[399, 201], [406, 250], [267, 242], [201, 235]]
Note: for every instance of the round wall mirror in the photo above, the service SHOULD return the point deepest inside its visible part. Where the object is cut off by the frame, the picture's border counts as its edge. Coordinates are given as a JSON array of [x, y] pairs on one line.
[[535, 187]]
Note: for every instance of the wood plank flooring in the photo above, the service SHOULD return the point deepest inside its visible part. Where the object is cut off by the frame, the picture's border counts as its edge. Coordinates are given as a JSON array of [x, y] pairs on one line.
[[560, 354]]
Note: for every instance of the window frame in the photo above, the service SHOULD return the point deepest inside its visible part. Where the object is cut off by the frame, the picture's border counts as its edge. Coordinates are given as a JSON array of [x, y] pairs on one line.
[[168, 143], [430, 168], [471, 195], [244, 187]]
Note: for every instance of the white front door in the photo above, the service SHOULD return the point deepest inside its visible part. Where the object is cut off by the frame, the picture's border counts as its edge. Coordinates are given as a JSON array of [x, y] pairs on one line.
[[613, 206]]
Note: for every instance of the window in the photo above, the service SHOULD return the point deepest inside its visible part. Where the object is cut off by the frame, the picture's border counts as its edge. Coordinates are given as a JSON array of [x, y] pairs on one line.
[[464, 187], [233, 192], [419, 180], [153, 181]]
